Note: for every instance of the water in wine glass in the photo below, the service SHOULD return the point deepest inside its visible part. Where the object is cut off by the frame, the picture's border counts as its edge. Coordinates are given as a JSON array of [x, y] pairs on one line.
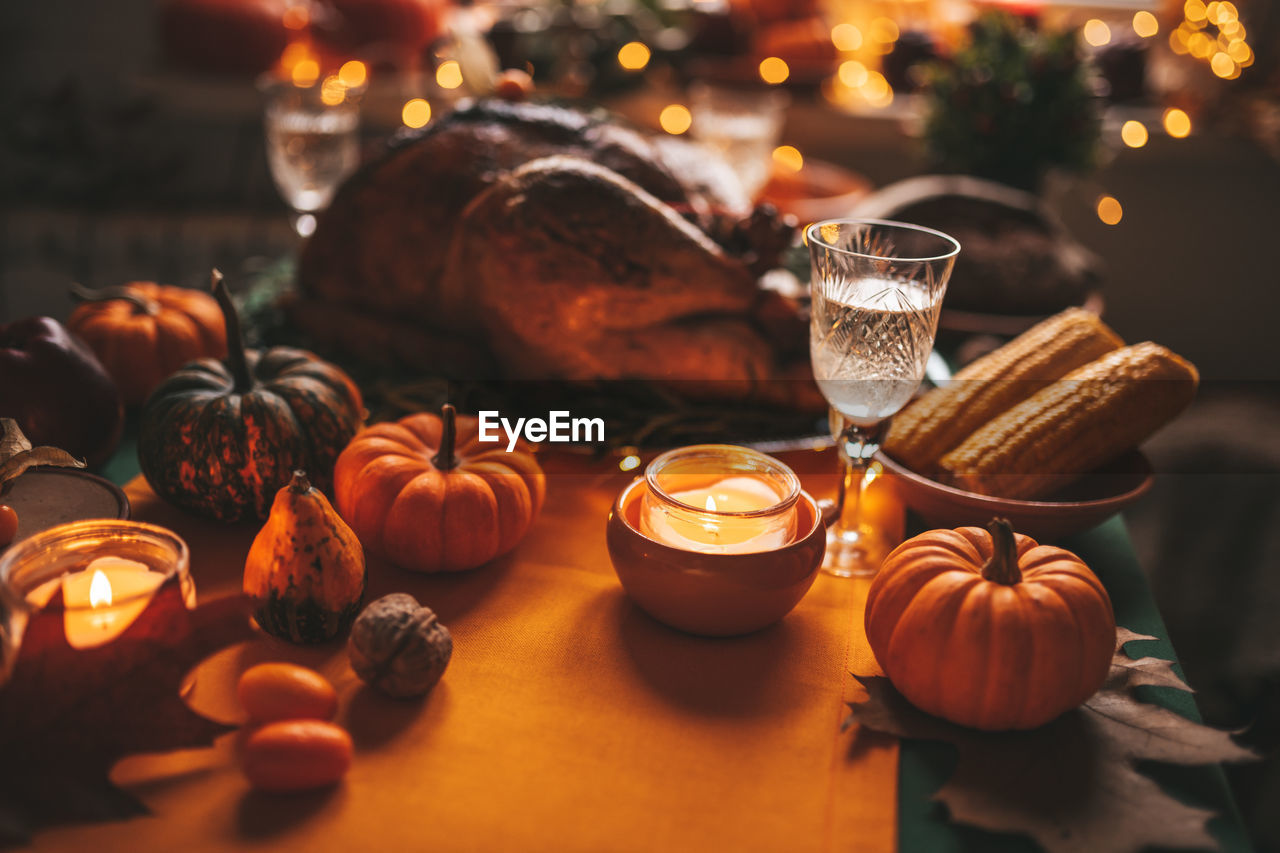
[[310, 153], [869, 341]]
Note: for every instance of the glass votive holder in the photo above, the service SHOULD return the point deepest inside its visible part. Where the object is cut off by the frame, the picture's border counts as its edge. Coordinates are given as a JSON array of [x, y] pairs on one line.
[[107, 571], [719, 499]]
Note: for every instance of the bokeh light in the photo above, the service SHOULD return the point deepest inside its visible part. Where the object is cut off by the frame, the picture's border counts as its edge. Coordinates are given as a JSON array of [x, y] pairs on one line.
[[1134, 134], [846, 37], [415, 113], [332, 91], [305, 73], [1145, 24], [788, 157], [1096, 32], [774, 70], [675, 119], [1109, 210], [449, 75], [853, 73], [633, 56], [353, 73], [1177, 123], [883, 30]]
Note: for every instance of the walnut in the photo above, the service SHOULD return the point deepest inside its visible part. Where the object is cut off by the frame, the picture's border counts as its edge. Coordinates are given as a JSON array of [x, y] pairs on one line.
[[399, 646]]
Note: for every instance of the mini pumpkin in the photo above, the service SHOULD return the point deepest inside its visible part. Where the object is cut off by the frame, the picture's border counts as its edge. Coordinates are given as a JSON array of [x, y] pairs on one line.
[[305, 571], [221, 438], [426, 495], [399, 646], [142, 332], [990, 629]]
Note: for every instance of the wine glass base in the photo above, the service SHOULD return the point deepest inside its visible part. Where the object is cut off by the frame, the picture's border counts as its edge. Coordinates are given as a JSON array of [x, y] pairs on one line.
[[853, 553]]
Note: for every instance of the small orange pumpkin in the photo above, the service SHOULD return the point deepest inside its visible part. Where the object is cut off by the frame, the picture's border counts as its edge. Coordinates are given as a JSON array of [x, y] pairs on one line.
[[426, 495], [990, 630], [142, 332]]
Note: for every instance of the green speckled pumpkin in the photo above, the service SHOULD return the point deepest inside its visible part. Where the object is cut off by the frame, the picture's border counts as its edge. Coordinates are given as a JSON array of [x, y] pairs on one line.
[[221, 438], [305, 571]]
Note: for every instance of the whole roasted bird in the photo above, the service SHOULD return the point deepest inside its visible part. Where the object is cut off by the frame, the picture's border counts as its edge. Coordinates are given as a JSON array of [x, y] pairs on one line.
[[536, 241]]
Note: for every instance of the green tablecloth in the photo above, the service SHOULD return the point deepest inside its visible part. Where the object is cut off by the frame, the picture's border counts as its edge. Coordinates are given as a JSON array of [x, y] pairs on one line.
[[922, 824]]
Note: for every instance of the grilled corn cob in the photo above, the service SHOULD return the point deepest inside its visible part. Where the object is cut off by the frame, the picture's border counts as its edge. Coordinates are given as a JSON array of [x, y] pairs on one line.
[[1083, 420], [944, 417]]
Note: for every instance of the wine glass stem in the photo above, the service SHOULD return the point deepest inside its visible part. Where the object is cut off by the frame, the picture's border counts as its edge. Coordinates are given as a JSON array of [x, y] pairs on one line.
[[857, 445]]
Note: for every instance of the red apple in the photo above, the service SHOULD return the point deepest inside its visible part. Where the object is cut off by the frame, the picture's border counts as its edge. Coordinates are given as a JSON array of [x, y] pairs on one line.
[[57, 390]]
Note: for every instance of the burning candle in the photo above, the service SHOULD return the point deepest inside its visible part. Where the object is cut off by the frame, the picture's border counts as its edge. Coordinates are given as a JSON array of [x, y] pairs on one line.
[[718, 498], [104, 599], [107, 571]]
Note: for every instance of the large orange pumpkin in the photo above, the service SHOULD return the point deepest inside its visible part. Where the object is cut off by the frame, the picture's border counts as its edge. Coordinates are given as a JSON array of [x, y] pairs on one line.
[[142, 332], [990, 630], [425, 494]]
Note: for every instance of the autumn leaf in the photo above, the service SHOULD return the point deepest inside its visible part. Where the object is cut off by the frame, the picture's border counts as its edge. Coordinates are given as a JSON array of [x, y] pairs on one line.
[[17, 454], [67, 715], [1072, 784]]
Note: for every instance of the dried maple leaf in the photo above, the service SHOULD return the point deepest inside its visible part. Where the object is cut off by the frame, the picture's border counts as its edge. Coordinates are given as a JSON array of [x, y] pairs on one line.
[[17, 454], [67, 715], [1071, 785]]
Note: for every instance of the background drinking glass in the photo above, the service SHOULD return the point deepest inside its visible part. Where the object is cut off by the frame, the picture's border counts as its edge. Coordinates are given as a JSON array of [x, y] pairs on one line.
[[743, 125], [877, 290], [312, 142]]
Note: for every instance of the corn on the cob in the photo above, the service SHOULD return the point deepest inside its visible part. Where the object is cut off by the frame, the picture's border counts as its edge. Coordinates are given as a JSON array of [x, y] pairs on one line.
[[1081, 421], [944, 417]]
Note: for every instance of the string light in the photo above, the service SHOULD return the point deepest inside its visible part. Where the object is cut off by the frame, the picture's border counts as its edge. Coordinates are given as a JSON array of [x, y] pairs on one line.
[[1134, 134], [846, 37], [332, 91], [1096, 32], [1222, 65], [884, 30], [353, 73], [774, 70], [853, 74], [1145, 24], [633, 56], [1177, 123], [675, 119], [415, 113], [1109, 210], [449, 75], [788, 157], [305, 73]]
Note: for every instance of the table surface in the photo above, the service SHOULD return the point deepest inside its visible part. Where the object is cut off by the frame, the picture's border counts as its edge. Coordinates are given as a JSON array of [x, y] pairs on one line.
[[924, 766]]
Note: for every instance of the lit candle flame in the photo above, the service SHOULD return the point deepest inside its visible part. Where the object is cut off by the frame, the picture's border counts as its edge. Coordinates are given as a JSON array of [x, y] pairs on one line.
[[99, 590], [711, 505]]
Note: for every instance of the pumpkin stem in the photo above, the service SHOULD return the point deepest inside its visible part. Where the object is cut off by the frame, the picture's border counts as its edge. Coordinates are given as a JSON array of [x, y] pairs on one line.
[[445, 460], [236, 361], [1003, 565], [80, 293], [299, 485]]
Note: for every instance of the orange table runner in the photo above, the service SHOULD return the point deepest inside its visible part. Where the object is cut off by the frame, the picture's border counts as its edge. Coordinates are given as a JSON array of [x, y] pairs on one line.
[[568, 719]]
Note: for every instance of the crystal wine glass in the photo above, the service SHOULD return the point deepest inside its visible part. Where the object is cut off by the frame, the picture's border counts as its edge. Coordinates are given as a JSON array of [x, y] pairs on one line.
[[312, 143], [877, 290]]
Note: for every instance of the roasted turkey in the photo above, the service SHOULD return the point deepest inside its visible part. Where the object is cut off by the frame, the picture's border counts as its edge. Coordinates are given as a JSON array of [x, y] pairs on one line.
[[535, 241]]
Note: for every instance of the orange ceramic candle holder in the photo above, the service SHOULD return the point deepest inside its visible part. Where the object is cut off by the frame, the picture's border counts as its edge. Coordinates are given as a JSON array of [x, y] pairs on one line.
[[713, 594]]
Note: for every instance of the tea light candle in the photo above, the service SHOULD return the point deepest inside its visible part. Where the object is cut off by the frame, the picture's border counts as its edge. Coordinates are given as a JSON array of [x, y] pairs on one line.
[[107, 571], [719, 499], [104, 599]]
